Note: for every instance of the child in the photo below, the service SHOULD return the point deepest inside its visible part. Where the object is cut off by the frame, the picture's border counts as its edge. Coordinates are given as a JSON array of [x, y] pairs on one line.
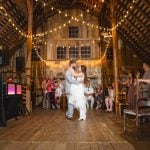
[[58, 94]]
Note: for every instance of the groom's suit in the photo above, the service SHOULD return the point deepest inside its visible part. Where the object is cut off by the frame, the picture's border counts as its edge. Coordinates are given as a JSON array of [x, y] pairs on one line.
[[69, 81]]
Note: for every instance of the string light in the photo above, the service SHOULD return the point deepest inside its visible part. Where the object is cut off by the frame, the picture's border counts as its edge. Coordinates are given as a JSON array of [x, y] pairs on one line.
[[91, 9], [10, 20], [64, 62], [125, 16], [59, 27], [95, 26], [70, 16], [66, 15]]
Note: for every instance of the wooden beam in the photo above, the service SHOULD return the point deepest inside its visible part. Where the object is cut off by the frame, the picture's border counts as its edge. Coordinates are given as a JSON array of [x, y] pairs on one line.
[[135, 18], [129, 31], [131, 23], [146, 3], [141, 11], [28, 56], [16, 46], [115, 50], [133, 44], [5, 27], [142, 39]]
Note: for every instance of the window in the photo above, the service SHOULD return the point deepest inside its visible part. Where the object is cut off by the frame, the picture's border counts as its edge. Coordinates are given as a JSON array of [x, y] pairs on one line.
[[85, 52], [73, 32], [74, 52], [61, 52]]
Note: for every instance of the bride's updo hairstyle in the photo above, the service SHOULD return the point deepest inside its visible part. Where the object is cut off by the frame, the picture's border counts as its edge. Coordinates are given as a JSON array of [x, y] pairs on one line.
[[83, 69]]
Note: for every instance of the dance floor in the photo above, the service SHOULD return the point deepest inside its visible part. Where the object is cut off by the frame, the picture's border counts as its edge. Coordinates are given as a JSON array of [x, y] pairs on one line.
[[50, 130]]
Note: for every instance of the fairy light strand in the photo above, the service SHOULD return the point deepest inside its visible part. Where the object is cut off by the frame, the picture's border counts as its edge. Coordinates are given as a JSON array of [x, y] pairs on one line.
[[52, 8], [90, 24], [13, 24], [125, 16], [66, 15], [96, 61], [59, 27], [73, 17]]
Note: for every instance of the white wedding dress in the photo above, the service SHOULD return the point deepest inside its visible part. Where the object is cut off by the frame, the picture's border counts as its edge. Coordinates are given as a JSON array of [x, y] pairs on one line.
[[77, 97]]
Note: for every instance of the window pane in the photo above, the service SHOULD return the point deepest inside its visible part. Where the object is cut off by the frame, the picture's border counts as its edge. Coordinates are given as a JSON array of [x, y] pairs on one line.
[[85, 52], [73, 32], [61, 52], [73, 52]]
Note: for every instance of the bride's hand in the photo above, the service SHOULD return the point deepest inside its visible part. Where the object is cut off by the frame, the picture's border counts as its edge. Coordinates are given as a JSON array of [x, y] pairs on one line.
[[81, 81]]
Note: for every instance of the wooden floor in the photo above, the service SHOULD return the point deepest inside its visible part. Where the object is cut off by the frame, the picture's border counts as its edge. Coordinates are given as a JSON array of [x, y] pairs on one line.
[[50, 130]]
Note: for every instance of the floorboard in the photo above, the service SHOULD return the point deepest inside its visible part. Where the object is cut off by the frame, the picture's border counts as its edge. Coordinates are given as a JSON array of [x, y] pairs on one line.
[[50, 130]]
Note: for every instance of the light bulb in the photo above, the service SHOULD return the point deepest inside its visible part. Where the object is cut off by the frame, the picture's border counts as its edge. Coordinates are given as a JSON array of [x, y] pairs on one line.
[[131, 7]]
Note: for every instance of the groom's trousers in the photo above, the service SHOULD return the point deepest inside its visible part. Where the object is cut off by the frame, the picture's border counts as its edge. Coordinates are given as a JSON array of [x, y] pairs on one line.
[[70, 111]]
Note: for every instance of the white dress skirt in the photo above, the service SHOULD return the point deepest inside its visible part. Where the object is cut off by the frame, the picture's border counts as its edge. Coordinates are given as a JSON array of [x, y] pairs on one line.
[[77, 98]]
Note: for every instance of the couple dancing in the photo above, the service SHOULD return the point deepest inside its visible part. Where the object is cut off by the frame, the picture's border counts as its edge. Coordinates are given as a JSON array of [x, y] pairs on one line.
[[75, 90]]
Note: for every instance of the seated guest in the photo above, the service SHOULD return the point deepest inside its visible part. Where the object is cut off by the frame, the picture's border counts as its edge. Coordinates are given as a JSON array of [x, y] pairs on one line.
[[60, 84], [98, 96], [89, 92], [109, 98], [58, 94], [51, 93]]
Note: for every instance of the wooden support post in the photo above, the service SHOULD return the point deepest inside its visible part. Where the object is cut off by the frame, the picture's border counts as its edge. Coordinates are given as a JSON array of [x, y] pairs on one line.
[[28, 56], [115, 52]]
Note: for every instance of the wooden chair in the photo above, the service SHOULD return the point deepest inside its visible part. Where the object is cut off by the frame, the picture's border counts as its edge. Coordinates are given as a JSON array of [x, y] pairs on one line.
[[137, 117], [121, 102]]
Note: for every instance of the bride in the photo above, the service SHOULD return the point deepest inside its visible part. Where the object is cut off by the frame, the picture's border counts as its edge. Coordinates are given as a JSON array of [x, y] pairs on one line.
[[77, 92]]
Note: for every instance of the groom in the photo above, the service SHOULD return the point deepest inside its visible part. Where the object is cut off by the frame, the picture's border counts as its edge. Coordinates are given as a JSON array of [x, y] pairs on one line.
[[69, 81]]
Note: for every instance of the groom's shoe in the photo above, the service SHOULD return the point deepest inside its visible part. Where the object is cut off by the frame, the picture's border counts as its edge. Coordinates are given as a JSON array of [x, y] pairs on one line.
[[70, 118], [82, 119]]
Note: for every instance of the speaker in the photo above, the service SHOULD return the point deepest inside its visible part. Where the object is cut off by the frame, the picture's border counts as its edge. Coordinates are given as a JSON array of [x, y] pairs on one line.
[[4, 58], [20, 64]]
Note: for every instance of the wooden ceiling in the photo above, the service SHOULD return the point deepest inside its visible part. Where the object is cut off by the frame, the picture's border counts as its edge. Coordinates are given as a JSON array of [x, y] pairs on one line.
[[134, 31], [11, 14]]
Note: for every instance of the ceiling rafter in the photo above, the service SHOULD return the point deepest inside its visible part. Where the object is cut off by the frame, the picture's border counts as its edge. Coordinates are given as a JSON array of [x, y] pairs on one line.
[[137, 32], [132, 45], [133, 38], [135, 29]]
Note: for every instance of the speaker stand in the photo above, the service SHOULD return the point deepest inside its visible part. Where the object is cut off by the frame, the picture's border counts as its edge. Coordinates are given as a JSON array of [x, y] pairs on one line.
[[3, 119]]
